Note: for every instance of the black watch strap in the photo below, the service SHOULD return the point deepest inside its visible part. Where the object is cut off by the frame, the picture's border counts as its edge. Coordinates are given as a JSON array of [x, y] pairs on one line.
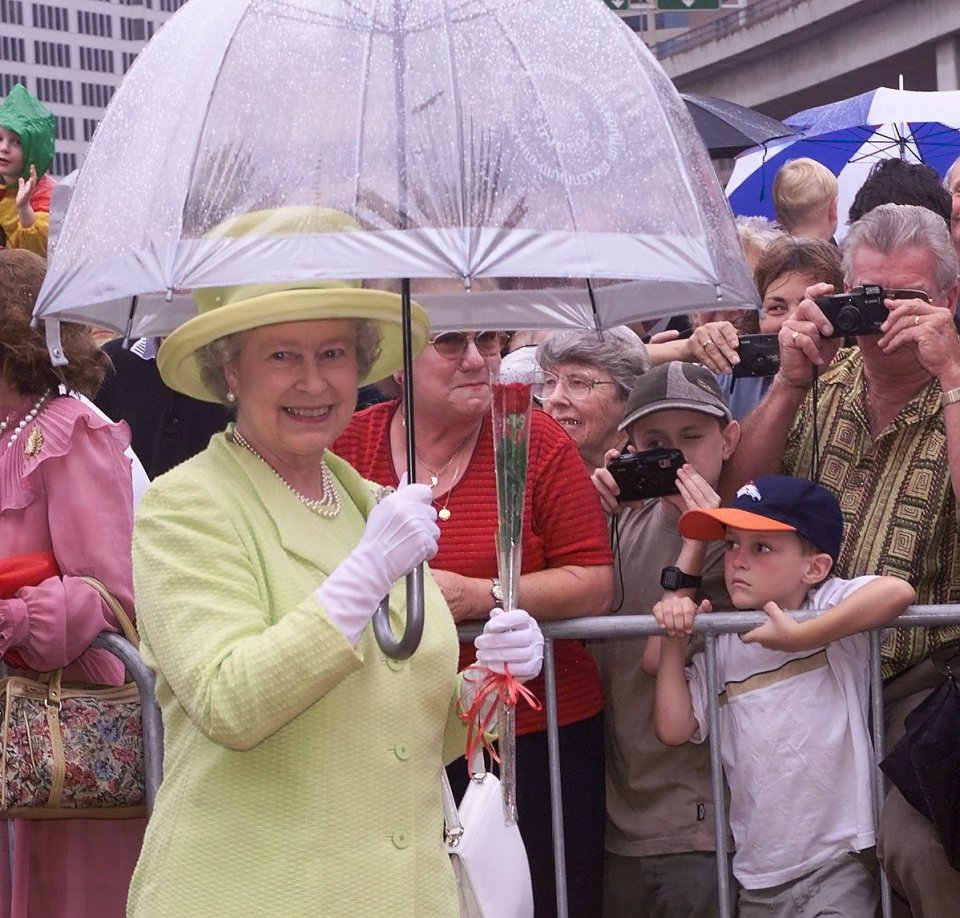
[[672, 578]]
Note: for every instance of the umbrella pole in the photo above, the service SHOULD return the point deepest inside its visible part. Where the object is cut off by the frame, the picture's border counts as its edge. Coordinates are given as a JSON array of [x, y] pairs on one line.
[[409, 641]]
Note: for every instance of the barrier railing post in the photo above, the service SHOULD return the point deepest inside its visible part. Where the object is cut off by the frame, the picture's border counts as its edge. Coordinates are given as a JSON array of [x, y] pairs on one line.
[[556, 789], [879, 789], [716, 776]]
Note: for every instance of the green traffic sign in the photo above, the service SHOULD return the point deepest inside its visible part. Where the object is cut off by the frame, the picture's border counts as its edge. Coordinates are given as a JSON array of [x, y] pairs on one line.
[[618, 4], [688, 4]]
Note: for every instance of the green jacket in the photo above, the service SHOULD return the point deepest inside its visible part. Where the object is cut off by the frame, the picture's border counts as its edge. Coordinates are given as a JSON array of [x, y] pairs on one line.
[[301, 774], [36, 125]]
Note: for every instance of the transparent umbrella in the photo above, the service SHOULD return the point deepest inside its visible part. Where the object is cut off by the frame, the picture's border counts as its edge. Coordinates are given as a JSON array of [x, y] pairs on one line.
[[534, 142], [473, 138]]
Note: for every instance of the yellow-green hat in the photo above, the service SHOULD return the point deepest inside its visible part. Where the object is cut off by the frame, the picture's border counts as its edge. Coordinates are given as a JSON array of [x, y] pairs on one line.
[[227, 310]]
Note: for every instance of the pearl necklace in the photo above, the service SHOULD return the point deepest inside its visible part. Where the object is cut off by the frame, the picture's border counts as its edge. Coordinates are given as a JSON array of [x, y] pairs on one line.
[[27, 418], [327, 506]]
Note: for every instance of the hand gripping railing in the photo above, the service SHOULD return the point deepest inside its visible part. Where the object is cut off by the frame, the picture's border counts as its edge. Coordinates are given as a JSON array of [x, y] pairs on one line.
[[141, 674], [618, 627]]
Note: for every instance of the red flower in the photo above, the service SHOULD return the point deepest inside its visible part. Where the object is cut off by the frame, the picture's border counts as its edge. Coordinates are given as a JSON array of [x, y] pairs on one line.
[[511, 398]]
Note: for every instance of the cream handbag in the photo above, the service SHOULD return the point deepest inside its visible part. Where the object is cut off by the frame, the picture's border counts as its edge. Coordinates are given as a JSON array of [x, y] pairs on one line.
[[488, 856]]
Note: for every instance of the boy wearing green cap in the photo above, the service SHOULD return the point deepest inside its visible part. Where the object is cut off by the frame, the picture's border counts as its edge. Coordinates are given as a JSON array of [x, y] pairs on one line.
[[793, 697], [27, 132]]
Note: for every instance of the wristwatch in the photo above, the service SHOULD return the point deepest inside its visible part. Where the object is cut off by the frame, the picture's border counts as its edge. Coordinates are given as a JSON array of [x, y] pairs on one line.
[[496, 591], [672, 578]]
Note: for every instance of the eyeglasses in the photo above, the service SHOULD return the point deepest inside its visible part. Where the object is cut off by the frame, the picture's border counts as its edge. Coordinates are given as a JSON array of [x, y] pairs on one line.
[[453, 345], [577, 387]]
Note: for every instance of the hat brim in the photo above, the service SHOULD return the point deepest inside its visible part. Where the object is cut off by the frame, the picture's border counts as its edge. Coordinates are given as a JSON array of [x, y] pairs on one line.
[[715, 411], [177, 357], [710, 525]]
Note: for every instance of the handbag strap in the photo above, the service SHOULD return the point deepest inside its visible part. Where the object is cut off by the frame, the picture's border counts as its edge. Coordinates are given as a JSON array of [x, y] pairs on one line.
[[451, 815], [129, 632]]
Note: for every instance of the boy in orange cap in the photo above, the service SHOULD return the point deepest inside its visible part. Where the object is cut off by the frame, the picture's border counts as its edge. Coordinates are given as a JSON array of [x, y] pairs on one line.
[[794, 737]]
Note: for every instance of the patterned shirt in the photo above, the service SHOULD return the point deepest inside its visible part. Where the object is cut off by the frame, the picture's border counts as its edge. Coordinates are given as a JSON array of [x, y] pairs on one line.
[[899, 509]]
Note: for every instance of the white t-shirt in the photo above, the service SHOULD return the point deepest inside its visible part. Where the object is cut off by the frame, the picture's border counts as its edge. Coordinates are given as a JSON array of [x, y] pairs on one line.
[[796, 748]]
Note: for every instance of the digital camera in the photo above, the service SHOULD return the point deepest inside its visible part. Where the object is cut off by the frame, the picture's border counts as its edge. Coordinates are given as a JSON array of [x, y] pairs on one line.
[[652, 473], [759, 356], [861, 311]]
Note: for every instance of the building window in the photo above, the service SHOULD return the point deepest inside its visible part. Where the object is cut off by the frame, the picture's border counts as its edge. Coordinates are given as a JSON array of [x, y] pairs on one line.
[[50, 17], [94, 24], [9, 80], [54, 90], [65, 128], [64, 163], [96, 95], [97, 59], [12, 49], [11, 11], [132, 29], [128, 58], [90, 126], [51, 54], [678, 20], [171, 6]]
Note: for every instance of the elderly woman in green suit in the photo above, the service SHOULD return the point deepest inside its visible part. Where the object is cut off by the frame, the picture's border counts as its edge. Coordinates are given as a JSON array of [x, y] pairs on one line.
[[302, 766]]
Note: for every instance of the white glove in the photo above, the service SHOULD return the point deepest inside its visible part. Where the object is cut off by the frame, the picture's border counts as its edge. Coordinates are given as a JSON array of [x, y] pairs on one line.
[[401, 533], [512, 638]]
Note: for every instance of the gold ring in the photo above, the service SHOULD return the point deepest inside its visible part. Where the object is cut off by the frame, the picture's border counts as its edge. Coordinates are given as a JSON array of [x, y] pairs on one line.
[[708, 344], [795, 335], [916, 321]]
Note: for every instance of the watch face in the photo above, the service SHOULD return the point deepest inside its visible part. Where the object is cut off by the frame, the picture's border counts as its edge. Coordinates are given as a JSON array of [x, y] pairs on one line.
[[497, 591]]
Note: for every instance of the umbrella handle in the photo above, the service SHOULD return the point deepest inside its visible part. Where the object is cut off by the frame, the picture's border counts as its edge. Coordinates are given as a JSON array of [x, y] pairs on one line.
[[409, 641]]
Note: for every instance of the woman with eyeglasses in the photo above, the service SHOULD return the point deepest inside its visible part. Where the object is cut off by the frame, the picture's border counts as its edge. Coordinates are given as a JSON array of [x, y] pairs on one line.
[[566, 573], [586, 380]]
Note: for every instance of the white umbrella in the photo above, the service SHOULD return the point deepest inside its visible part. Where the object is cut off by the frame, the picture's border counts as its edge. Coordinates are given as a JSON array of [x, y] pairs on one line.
[[474, 138]]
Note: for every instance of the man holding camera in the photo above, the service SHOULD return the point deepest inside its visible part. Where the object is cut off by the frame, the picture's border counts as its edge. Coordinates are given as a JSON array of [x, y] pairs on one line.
[[886, 420]]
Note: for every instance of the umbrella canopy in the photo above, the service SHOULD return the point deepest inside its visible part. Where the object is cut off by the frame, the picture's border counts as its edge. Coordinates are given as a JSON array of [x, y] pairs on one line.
[[727, 128], [848, 137], [532, 140]]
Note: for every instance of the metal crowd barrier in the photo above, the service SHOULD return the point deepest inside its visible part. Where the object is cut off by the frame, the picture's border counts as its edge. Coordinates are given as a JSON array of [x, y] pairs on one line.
[[632, 626], [120, 647]]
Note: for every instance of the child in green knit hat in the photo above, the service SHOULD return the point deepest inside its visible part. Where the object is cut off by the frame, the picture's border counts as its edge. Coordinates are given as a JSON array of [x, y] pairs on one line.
[[27, 132]]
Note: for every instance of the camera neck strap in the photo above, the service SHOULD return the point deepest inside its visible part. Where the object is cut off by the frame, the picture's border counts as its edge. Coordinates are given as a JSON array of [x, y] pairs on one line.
[[815, 445]]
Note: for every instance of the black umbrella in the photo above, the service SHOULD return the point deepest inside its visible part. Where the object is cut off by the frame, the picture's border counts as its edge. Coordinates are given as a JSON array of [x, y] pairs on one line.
[[728, 128]]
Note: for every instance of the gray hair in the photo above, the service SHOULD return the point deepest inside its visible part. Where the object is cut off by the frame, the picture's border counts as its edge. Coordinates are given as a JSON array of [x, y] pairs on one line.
[[948, 178], [757, 231], [617, 350], [214, 356], [891, 228]]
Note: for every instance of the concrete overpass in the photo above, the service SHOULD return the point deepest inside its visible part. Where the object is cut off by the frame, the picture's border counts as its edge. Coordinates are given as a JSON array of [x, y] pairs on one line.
[[782, 56]]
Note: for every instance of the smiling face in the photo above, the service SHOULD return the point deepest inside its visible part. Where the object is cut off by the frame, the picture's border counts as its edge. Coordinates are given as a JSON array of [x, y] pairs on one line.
[[760, 567], [590, 417], [698, 435], [11, 156], [296, 388], [781, 299]]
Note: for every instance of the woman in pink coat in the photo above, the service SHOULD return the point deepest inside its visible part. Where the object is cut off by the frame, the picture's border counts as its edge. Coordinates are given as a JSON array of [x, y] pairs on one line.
[[65, 488]]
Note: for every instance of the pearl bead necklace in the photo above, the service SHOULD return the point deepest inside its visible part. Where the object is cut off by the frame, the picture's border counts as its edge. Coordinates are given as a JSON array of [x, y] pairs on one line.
[[27, 418], [327, 506]]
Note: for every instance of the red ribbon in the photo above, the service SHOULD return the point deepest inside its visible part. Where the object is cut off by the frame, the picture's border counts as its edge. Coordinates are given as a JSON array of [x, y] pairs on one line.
[[494, 688]]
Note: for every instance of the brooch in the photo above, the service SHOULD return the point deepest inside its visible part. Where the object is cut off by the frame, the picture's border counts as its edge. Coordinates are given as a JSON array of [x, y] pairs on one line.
[[34, 442]]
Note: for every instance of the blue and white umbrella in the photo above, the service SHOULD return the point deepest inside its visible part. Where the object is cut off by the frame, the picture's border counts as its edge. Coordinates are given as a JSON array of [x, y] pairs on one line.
[[848, 137]]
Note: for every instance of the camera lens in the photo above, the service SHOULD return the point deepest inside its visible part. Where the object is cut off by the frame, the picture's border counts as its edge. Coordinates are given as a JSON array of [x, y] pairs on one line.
[[848, 318]]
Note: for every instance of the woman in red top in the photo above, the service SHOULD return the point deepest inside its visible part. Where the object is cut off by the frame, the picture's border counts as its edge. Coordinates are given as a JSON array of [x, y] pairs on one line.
[[566, 573]]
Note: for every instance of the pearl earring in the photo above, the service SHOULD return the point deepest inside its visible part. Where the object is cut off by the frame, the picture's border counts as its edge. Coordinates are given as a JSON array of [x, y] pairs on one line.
[[231, 396]]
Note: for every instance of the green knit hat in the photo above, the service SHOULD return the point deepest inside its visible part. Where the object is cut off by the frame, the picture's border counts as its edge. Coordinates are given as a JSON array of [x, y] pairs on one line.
[[34, 122]]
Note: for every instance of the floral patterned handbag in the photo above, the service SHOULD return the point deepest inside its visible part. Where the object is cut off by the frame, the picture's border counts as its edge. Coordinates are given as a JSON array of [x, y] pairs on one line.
[[72, 751]]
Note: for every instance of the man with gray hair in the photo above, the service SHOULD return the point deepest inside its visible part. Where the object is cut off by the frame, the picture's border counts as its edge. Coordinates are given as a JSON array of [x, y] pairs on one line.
[[886, 430]]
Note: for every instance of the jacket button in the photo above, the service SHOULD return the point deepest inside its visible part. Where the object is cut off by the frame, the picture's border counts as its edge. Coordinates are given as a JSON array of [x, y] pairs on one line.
[[401, 839], [402, 751], [395, 665]]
